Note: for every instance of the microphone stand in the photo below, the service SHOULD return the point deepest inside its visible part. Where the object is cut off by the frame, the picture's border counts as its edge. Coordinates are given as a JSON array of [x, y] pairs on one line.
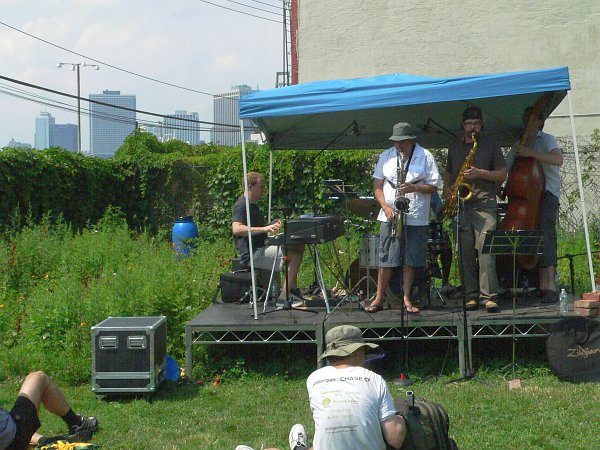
[[468, 371], [404, 379]]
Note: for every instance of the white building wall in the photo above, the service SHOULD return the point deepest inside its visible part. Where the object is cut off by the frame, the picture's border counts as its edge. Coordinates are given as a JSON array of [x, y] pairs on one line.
[[443, 38]]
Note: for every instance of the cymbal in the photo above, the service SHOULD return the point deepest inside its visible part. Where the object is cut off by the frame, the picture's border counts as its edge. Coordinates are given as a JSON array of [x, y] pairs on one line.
[[363, 206]]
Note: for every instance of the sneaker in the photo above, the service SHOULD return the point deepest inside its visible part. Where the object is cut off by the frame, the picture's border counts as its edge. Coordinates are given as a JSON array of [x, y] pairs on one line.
[[88, 425], [491, 306], [281, 303], [472, 304], [80, 436], [243, 447], [298, 437], [296, 297]]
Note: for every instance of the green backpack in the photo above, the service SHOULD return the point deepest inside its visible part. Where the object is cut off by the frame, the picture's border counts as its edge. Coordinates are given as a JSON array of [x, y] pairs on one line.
[[427, 424]]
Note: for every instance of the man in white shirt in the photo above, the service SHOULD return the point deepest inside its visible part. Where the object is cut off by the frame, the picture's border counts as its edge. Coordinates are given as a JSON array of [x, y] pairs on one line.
[[351, 406], [419, 178]]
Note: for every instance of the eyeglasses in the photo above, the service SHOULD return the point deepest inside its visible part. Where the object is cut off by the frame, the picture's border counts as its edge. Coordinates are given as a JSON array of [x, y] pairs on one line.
[[472, 123]]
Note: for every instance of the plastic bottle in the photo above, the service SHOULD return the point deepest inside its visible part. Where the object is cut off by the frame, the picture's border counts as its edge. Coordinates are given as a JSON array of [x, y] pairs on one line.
[[274, 294], [564, 303]]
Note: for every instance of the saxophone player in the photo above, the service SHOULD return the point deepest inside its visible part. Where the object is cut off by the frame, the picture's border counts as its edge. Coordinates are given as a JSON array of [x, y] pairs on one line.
[[484, 174], [405, 177]]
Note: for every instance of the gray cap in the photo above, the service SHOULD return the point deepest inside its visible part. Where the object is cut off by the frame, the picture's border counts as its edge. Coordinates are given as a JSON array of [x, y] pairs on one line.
[[403, 131]]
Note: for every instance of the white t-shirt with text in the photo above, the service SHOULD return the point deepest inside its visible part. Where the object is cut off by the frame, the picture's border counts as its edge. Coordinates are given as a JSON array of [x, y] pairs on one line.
[[348, 406]]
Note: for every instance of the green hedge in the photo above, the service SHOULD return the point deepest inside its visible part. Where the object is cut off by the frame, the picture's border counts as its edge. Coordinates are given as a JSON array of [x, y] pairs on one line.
[[153, 182]]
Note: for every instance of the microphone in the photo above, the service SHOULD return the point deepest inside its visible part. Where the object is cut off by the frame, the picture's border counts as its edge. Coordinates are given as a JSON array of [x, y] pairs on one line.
[[354, 130]]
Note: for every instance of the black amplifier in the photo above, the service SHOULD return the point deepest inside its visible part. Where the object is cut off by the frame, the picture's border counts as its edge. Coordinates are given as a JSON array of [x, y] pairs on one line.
[[129, 355], [310, 230]]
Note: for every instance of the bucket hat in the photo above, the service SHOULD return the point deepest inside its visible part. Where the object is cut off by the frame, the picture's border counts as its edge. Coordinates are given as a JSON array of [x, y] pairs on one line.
[[343, 341], [402, 131]]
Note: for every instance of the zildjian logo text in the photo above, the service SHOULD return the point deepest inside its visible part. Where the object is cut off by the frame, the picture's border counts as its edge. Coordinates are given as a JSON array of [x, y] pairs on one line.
[[582, 352]]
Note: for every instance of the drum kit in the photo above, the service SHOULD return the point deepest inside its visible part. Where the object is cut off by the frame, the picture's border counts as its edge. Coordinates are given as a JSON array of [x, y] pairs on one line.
[[362, 274]]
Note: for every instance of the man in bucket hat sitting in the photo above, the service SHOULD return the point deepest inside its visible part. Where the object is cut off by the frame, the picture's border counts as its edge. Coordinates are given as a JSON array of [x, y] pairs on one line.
[[351, 406]]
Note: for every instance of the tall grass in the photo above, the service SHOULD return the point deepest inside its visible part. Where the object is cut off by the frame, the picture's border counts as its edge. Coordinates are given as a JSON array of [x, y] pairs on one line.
[[55, 284]]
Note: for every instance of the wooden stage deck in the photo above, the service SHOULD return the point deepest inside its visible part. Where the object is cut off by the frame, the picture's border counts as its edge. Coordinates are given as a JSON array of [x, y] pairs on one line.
[[234, 323]]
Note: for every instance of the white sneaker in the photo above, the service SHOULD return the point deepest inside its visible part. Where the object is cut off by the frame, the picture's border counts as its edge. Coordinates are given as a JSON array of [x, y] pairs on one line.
[[298, 436], [243, 447]]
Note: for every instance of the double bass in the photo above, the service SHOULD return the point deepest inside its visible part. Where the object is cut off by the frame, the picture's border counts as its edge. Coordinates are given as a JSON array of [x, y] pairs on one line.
[[525, 188]]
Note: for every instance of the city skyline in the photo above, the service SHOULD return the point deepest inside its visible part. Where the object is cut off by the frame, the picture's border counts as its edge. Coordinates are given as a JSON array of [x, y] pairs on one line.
[[190, 44], [110, 126]]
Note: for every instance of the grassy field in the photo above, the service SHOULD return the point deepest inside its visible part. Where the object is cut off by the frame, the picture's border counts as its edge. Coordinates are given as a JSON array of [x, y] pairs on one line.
[[257, 407], [55, 284]]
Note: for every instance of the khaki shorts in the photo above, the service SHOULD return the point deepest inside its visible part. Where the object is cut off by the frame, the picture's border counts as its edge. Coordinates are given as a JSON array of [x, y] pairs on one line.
[[265, 256]]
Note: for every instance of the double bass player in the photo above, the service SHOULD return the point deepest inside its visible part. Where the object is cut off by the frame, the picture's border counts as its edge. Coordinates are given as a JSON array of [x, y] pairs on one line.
[[544, 149]]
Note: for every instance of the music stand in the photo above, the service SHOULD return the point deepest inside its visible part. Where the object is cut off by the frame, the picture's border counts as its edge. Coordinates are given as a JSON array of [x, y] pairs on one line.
[[513, 242]]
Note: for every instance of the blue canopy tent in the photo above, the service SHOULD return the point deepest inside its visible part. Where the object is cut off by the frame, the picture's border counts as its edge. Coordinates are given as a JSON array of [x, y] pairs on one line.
[[312, 115], [360, 113]]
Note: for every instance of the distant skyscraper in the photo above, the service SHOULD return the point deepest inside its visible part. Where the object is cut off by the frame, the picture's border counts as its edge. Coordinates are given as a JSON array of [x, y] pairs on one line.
[[156, 130], [226, 108], [48, 133], [14, 144], [64, 135], [43, 125], [110, 126], [182, 130]]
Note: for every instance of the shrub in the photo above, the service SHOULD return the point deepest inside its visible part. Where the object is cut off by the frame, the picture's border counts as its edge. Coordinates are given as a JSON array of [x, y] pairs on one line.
[[56, 283]]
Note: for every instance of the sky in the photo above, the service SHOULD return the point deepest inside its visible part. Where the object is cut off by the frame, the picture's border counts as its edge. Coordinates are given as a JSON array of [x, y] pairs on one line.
[[190, 43]]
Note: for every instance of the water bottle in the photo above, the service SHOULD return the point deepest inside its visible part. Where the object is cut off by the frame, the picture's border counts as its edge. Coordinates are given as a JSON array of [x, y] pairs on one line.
[[564, 303], [274, 294], [525, 283]]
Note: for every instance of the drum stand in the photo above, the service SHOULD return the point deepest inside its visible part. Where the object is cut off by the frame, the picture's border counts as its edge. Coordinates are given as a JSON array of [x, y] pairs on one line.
[[344, 191], [366, 263]]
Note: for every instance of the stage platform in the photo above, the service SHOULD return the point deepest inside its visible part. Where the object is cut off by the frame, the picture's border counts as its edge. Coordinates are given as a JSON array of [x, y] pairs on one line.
[[234, 323]]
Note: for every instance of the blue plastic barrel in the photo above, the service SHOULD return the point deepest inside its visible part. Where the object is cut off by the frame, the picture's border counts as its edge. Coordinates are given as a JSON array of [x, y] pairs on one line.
[[184, 230]]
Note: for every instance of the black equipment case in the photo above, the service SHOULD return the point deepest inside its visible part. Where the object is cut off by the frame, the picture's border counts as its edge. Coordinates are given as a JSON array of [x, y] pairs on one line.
[[573, 349], [128, 355], [234, 285]]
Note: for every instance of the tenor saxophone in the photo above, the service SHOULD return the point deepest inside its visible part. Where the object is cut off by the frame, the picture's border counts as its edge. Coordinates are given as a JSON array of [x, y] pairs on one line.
[[461, 189]]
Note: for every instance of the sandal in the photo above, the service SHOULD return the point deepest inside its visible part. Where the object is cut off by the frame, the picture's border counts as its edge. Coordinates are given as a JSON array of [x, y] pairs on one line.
[[374, 307], [411, 309]]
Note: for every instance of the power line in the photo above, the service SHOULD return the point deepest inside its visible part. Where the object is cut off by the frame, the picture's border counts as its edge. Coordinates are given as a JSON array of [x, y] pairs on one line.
[[241, 12], [254, 7], [268, 4], [105, 63], [64, 94], [108, 116], [98, 114]]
